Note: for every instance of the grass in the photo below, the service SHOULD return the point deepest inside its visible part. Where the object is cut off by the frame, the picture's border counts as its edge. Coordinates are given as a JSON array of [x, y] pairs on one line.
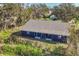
[[44, 45], [21, 50], [27, 50]]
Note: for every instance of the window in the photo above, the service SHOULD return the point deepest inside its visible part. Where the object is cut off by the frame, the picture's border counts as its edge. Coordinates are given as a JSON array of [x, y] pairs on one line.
[[48, 39], [59, 36], [37, 37], [48, 36], [28, 32]]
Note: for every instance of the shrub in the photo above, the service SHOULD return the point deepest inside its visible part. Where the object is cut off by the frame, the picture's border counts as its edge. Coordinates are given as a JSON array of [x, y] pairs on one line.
[[58, 51], [8, 50], [37, 52], [21, 50], [25, 50]]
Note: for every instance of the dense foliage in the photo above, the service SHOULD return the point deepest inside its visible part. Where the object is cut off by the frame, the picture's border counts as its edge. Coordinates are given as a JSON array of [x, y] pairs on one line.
[[21, 50], [66, 12]]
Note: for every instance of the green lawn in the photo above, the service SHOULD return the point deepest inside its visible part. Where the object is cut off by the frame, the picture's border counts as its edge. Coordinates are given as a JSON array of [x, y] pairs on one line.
[[20, 49]]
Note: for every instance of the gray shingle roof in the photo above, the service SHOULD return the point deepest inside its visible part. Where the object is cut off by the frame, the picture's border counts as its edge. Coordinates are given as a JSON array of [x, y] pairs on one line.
[[50, 27]]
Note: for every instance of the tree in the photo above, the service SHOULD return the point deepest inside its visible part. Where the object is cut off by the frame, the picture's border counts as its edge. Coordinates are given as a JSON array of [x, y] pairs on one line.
[[73, 42], [64, 11], [38, 10]]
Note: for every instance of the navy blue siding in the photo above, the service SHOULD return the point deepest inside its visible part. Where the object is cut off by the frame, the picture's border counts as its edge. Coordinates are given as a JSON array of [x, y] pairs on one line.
[[43, 36]]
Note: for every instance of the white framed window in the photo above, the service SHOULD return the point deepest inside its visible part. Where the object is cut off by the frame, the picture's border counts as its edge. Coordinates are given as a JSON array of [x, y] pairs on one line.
[[37, 37], [28, 32], [59, 36]]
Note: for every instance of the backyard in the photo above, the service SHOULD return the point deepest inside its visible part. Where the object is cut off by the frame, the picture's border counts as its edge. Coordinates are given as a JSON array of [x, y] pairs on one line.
[[13, 16]]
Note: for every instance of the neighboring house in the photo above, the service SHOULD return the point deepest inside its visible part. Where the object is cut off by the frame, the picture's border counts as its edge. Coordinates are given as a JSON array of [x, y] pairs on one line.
[[46, 30]]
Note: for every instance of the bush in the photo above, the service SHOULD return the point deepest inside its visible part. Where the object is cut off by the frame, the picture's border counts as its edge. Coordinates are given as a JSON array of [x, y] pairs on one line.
[[7, 50], [21, 50], [58, 51], [13, 39], [37, 52], [27, 50]]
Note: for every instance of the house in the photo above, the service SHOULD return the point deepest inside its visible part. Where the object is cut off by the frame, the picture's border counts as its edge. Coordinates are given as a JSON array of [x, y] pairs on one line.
[[46, 30]]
